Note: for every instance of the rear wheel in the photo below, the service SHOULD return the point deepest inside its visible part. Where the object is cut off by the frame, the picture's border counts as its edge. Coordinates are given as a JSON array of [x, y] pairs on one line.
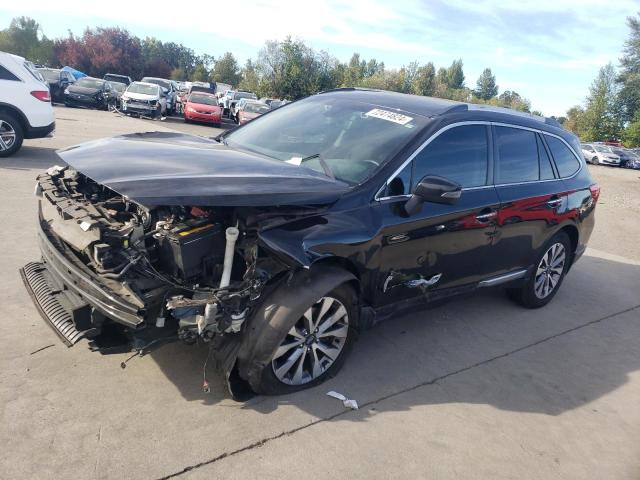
[[551, 267], [313, 347], [11, 135]]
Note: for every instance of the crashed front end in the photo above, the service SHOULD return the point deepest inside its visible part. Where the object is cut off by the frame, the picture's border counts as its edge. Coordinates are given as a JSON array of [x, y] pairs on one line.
[[179, 272]]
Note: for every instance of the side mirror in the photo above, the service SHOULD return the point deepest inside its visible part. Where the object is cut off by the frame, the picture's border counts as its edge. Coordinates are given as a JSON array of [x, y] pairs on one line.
[[433, 189]]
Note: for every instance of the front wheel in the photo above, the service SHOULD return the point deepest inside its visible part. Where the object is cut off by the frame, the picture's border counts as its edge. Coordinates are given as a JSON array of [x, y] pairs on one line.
[[310, 348], [550, 268]]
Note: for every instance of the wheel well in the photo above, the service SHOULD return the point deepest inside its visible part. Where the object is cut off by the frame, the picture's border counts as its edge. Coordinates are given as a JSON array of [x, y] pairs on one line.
[[4, 108]]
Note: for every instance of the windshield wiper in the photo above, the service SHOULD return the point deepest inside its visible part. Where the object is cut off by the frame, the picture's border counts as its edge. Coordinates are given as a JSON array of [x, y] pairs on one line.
[[325, 166]]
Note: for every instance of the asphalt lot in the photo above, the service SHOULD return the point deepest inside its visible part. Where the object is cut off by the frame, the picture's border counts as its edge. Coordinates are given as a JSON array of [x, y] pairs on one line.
[[476, 388]]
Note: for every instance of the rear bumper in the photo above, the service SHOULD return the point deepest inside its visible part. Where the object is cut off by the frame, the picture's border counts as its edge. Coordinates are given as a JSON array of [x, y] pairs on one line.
[[40, 132], [67, 285]]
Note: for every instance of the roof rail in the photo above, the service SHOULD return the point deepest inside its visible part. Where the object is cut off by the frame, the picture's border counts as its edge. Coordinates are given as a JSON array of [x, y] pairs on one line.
[[509, 111]]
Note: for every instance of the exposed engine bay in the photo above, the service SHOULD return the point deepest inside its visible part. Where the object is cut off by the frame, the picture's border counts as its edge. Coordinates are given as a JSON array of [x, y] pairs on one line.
[[194, 270]]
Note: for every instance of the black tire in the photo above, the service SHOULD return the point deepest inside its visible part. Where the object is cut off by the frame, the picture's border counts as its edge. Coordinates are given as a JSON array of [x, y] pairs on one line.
[[265, 381], [526, 295], [13, 124]]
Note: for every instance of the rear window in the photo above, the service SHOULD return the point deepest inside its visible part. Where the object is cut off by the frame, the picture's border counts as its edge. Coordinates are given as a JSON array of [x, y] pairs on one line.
[[566, 161]]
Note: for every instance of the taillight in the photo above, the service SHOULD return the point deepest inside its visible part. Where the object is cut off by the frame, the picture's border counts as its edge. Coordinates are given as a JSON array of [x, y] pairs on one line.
[[595, 191], [42, 95]]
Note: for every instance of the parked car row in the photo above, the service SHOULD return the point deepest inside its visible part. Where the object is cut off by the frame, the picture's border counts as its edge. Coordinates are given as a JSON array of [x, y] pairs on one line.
[[157, 97], [602, 154]]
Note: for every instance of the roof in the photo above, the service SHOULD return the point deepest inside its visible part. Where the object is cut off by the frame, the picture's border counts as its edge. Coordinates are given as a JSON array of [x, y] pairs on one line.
[[428, 106], [425, 106]]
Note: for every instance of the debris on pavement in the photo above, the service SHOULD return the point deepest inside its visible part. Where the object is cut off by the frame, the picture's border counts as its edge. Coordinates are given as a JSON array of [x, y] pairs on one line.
[[352, 404]]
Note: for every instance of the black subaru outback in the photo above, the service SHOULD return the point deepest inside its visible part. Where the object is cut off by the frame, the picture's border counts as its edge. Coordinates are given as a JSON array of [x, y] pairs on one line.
[[275, 242]]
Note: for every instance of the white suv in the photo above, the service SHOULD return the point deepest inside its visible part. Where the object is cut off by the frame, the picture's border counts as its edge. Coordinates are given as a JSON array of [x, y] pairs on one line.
[[25, 104]]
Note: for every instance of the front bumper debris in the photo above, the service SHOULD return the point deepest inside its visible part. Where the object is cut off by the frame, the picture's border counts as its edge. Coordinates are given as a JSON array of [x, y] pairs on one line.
[[62, 310]]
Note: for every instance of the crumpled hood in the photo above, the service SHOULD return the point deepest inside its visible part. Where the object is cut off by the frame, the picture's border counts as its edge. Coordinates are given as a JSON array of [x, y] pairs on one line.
[[140, 96], [167, 168]]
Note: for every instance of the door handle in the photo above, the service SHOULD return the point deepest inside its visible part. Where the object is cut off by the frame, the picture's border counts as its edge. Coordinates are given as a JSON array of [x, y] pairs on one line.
[[485, 217], [554, 202]]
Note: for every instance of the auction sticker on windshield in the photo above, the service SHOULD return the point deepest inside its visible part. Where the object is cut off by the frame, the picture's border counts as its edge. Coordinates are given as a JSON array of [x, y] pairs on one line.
[[389, 116]]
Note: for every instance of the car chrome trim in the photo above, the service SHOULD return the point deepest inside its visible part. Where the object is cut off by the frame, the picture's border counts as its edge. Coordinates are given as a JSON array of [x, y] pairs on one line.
[[500, 279], [580, 159]]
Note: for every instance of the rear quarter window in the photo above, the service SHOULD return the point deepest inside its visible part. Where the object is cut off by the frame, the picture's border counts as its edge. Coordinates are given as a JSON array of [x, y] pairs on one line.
[[7, 75], [566, 161]]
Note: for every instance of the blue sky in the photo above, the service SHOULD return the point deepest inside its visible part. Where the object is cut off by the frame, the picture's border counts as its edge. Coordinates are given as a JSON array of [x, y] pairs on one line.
[[548, 51]]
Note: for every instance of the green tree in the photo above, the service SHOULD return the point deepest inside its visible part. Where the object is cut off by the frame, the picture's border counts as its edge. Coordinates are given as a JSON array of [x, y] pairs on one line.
[[512, 99], [629, 78], [574, 120], [355, 71], [486, 87], [455, 75], [424, 82], [250, 80], [631, 134], [24, 38], [200, 73], [602, 119], [226, 70]]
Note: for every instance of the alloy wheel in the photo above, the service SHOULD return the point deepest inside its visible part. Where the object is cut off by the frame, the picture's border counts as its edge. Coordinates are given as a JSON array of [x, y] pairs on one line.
[[313, 344], [7, 135], [549, 270]]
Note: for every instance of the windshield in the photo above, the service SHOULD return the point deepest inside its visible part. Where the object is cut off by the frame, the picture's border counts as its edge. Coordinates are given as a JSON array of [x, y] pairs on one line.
[[203, 99], [602, 149], [50, 75], [256, 108], [352, 138], [163, 83], [118, 87], [245, 95], [90, 83], [141, 88]]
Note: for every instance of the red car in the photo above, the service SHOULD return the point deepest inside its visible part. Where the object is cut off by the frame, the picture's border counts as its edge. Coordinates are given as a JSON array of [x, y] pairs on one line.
[[202, 107], [251, 110]]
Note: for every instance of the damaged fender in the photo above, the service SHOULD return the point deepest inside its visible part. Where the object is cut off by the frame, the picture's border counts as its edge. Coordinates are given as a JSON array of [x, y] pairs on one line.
[[290, 299]]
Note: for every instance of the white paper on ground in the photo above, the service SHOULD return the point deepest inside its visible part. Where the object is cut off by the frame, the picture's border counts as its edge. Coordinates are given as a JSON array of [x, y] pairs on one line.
[[352, 404]]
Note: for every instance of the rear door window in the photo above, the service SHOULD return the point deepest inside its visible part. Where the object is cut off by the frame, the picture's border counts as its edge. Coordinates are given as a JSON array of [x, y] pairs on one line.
[[566, 161], [517, 159], [460, 154]]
